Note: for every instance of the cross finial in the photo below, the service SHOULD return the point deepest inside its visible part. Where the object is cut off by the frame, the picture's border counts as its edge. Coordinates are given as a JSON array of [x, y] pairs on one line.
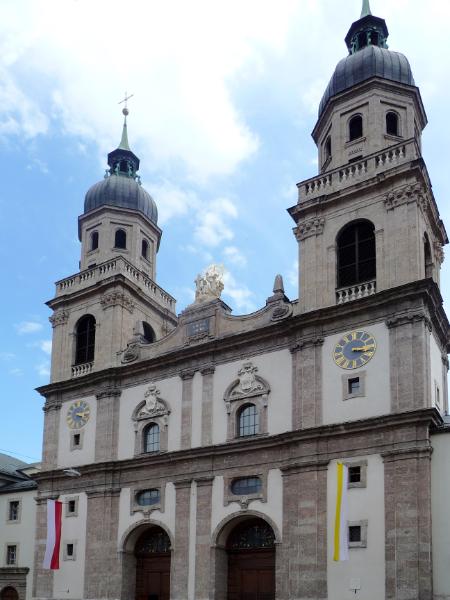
[[125, 110], [366, 9]]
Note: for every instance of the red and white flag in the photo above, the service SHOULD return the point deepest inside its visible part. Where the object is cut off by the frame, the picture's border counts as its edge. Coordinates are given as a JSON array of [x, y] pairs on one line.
[[54, 512]]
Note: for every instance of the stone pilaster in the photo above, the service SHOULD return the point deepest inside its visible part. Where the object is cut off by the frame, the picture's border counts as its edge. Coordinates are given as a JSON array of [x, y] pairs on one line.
[[207, 403], [307, 383], [179, 576], [407, 482], [107, 424], [102, 576], [302, 561], [203, 539], [186, 409], [42, 578], [52, 411]]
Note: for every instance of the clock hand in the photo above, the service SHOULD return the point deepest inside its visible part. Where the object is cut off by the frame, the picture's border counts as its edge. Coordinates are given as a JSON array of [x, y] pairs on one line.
[[362, 349], [81, 414]]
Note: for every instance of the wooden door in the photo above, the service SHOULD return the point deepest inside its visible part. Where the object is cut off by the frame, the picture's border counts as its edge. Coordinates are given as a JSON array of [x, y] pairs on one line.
[[9, 593], [251, 575], [153, 578]]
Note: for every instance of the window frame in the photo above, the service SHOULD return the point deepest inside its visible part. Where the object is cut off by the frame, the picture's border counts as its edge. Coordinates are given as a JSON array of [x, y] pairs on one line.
[[14, 545], [245, 500], [363, 525], [116, 233], [398, 123], [257, 421], [69, 513], [352, 119], [94, 236], [362, 464], [148, 426], [358, 263], [66, 555], [89, 347], [8, 510], [150, 484], [346, 377]]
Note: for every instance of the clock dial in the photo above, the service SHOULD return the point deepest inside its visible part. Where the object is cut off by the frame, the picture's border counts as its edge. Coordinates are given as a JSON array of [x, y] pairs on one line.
[[78, 414], [354, 350]]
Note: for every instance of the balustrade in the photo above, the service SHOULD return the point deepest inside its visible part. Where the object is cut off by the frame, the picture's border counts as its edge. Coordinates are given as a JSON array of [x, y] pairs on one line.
[[356, 292], [83, 369]]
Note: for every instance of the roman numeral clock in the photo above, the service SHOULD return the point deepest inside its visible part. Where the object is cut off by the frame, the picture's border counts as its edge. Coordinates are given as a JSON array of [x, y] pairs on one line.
[[354, 350]]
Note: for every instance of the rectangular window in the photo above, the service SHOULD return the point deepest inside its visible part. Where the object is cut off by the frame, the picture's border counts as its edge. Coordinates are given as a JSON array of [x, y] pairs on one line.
[[13, 510], [71, 506], [69, 550], [76, 439], [354, 385], [11, 555], [354, 474], [354, 534]]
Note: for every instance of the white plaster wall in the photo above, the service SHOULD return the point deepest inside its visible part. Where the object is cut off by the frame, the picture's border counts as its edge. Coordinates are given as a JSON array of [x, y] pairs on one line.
[[436, 379], [127, 520], [273, 508], [20, 533], [365, 564], [377, 400], [85, 455], [170, 392], [197, 384], [276, 369], [68, 581], [440, 495]]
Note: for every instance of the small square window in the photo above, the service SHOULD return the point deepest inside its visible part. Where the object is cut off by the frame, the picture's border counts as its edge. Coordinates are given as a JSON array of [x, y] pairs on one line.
[[353, 385], [354, 534], [69, 549], [11, 555], [71, 507], [14, 510], [76, 440], [354, 474]]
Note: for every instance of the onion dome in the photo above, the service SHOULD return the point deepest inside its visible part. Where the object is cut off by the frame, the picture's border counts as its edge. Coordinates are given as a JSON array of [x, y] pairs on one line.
[[121, 186], [368, 57]]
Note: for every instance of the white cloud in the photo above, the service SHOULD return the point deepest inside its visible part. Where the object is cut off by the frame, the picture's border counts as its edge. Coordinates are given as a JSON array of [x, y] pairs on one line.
[[239, 293], [235, 256], [43, 369], [173, 201], [6, 356], [46, 346], [16, 372], [212, 227], [28, 327]]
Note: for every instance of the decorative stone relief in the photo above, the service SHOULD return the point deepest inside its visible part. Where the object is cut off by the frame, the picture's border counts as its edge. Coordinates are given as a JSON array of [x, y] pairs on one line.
[[309, 228], [403, 195], [60, 317], [209, 285], [152, 406], [114, 298], [399, 320], [439, 252]]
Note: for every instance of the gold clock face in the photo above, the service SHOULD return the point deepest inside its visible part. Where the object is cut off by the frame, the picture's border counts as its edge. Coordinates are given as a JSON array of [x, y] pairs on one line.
[[78, 414], [354, 350]]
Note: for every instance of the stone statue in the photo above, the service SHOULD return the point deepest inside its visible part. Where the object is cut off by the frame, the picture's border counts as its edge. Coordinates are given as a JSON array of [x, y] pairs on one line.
[[247, 379], [153, 404], [209, 286]]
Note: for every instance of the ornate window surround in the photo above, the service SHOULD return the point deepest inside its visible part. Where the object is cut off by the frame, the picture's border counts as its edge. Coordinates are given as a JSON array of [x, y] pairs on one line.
[[153, 409], [244, 501], [248, 388], [142, 487]]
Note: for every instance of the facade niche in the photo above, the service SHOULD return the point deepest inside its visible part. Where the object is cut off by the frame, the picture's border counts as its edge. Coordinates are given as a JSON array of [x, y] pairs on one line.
[[94, 240], [144, 249], [246, 402], [392, 124], [85, 340]]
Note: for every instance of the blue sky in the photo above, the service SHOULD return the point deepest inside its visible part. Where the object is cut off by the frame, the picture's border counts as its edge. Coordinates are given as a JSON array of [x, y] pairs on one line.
[[225, 98]]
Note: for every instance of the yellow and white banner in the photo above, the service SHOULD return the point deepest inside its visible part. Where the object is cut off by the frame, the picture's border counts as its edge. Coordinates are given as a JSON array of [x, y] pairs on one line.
[[340, 525]]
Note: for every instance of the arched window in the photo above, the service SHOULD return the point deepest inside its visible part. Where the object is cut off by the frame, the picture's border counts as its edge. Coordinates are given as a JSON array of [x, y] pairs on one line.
[[144, 249], [152, 541], [120, 239], [328, 148], [151, 438], [149, 334], [94, 240], [355, 127], [85, 340], [356, 254], [362, 40], [244, 486], [428, 257], [248, 421], [148, 497], [392, 127]]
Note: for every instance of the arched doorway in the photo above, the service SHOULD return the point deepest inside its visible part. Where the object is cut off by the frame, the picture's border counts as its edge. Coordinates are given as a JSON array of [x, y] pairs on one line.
[[251, 561], [9, 593], [152, 553]]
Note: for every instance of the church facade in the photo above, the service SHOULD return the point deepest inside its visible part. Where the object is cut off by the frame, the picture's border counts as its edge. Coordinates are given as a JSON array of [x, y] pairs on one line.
[[195, 454]]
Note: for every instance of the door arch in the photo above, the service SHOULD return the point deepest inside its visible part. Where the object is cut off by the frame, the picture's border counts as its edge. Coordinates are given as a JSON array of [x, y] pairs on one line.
[[251, 561], [9, 593], [152, 552]]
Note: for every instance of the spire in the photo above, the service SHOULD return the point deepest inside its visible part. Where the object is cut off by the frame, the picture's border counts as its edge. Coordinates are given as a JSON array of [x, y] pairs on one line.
[[366, 9], [124, 139]]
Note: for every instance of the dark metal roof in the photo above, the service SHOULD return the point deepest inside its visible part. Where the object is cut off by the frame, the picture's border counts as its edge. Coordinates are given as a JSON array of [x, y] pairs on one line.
[[10, 465], [21, 486], [123, 192], [365, 64]]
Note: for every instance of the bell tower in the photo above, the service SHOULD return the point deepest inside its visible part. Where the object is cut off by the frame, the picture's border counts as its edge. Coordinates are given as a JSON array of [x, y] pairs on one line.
[[368, 221], [114, 298]]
